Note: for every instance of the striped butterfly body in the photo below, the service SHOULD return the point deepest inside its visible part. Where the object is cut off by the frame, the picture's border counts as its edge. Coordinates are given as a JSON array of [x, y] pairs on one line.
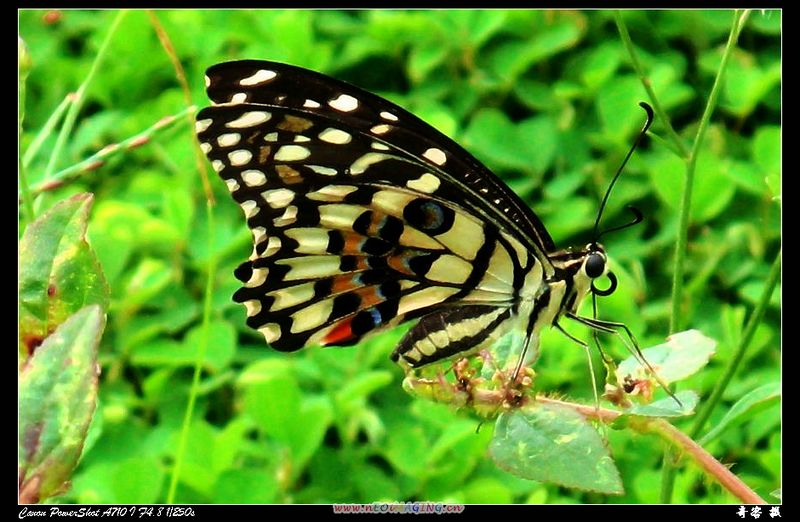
[[364, 217]]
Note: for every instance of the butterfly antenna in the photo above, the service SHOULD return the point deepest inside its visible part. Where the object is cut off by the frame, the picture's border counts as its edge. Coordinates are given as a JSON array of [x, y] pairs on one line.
[[647, 123]]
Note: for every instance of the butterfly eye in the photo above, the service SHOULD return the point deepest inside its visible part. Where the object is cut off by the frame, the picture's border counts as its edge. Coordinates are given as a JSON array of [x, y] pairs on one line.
[[595, 265]]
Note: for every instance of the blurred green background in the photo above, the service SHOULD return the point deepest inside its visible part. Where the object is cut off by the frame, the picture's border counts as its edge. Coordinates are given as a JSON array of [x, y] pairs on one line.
[[548, 100]]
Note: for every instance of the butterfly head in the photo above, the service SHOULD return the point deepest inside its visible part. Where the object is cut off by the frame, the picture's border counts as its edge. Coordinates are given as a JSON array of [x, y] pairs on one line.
[[583, 268]]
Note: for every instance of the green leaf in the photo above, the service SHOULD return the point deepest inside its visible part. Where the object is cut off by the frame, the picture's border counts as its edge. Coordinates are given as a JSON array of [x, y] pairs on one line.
[[684, 354], [407, 449], [220, 348], [58, 272], [423, 59], [272, 397], [57, 398], [356, 390], [618, 107], [511, 59], [137, 480], [246, 486], [744, 409], [528, 146], [667, 407], [374, 485], [554, 443], [308, 430], [601, 64], [767, 150], [147, 279], [220, 343], [128, 480], [487, 490]]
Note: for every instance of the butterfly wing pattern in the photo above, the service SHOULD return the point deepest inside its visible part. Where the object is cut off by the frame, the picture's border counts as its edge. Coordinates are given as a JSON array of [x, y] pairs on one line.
[[363, 217]]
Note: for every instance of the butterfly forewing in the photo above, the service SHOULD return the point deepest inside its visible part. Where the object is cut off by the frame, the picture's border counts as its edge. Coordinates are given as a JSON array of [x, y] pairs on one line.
[[363, 216], [281, 85]]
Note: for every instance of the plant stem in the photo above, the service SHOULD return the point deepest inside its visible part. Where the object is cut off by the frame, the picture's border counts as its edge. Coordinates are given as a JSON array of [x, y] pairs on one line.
[[72, 114], [201, 355], [24, 69], [47, 130], [658, 109], [211, 267], [675, 323], [180, 74], [738, 355], [101, 157]]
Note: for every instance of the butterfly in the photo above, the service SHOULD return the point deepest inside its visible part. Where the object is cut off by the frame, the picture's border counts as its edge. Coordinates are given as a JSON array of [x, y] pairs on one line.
[[364, 217]]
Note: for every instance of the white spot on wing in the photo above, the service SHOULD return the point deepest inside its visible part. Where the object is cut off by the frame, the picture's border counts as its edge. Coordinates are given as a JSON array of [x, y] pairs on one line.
[[292, 153], [249, 119], [260, 76], [253, 307], [427, 183], [360, 165], [205, 147], [339, 216], [331, 193], [254, 178], [271, 332], [239, 97], [258, 277], [240, 157], [278, 198], [217, 165], [435, 155], [325, 171], [309, 240], [424, 298], [344, 103], [289, 216], [232, 184], [259, 234], [311, 104], [449, 269], [310, 267], [311, 316], [388, 116], [286, 297], [301, 139], [273, 246], [229, 140], [380, 129], [250, 208], [335, 136], [379, 146], [201, 125], [208, 82], [272, 136]]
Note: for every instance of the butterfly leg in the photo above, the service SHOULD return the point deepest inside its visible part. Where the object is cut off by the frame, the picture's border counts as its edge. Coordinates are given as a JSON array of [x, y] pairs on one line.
[[630, 343]]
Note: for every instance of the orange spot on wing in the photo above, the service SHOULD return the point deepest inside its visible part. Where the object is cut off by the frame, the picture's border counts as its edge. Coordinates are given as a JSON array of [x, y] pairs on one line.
[[343, 284], [340, 333], [352, 242], [397, 262], [369, 297]]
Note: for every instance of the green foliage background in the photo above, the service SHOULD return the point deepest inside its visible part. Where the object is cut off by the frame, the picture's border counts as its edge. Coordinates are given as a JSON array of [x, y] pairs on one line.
[[546, 99]]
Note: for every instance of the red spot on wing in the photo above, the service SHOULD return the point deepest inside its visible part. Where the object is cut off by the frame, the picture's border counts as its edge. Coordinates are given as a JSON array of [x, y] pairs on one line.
[[339, 334]]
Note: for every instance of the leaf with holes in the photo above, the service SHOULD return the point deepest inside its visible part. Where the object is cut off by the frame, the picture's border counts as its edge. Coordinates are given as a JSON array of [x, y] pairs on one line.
[[554, 443]]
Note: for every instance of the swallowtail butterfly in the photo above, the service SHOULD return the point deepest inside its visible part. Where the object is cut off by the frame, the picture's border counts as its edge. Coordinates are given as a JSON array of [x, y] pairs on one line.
[[364, 217]]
